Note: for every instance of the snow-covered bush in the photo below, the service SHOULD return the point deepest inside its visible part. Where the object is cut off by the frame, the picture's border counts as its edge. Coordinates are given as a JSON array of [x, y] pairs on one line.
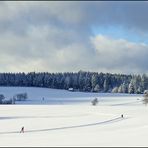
[[145, 100], [2, 97], [7, 101], [21, 97], [94, 101], [146, 93]]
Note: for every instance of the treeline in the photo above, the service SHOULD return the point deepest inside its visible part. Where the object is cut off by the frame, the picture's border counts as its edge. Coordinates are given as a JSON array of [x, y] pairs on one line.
[[80, 81]]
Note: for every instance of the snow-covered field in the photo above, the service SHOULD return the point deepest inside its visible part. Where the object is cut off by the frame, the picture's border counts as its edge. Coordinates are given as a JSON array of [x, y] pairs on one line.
[[68, 119]]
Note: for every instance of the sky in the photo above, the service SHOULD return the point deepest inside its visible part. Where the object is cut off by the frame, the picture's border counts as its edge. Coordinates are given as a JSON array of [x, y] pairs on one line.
[[68, 36]]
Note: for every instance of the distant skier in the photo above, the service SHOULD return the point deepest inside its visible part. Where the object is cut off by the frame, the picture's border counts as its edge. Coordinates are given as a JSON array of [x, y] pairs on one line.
[[122, 116], [22, 130]]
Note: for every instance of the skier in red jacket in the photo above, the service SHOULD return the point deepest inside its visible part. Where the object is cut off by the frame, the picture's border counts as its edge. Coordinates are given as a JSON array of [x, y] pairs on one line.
[[22, 130]]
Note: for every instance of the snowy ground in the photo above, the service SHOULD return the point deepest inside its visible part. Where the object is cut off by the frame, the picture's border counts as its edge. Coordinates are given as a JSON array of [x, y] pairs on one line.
[[71, 120]]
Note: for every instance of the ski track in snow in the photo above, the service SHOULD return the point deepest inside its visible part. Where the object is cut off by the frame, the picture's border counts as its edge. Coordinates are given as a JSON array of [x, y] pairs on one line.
[[117, 119]]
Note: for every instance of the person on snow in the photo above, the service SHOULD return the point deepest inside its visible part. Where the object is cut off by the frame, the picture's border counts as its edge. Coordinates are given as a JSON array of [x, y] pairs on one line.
[[22, 130], [122, 116]]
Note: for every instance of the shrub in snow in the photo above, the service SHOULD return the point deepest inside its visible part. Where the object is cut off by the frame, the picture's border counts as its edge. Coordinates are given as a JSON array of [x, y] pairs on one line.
[[94, 101], [145, 100], [21, 97], [146, 93], [7, 101], [2, 97]]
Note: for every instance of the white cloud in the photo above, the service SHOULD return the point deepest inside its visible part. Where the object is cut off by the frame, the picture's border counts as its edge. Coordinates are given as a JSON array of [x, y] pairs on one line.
[[55, 36], [120, 54], [42, 48]]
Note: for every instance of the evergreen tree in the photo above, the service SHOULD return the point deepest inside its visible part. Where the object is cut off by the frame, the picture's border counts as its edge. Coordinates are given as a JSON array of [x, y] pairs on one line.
[[83, 81], [124, 88], [144, 82], [67, 82], [131, 87], [120, 89], [106, 86], [97, 88], [115, 90], [87, 85], [94, 81]]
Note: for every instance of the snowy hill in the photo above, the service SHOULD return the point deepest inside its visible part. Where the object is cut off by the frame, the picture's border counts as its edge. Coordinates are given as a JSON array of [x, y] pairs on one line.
[[56, 96], [72, 123]]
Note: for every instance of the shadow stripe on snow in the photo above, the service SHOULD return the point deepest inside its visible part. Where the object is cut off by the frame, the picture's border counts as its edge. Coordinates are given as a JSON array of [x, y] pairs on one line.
[[126, 103], [30, 117]]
